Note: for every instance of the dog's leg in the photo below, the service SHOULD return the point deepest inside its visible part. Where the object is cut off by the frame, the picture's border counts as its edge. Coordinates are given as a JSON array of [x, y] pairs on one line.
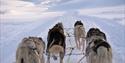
[[20, 60], [48, 58], [110, 55], [76, 40], [42, 59], [61, 57], [79, 43], [83, 44]]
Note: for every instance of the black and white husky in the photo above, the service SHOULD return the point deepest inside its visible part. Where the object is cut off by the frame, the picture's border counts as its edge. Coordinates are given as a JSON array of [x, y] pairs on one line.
[[56, 42], [98, 49], [79, 33]]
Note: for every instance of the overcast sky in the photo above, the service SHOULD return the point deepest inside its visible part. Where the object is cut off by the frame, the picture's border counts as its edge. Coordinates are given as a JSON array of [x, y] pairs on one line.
[[35, 9]]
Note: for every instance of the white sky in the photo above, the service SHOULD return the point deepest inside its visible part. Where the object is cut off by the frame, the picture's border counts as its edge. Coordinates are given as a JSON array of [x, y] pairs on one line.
[[29, 10]]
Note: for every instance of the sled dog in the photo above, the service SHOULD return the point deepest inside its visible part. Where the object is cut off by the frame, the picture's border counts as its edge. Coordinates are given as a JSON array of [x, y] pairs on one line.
[[79, 33], [56, 43], [98, 49]]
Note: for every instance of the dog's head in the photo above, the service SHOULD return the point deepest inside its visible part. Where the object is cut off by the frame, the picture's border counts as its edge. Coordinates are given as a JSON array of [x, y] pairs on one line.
[[78, 23], [96, 32], [40, 44], [28, 43], [92, 32], [57, 28]]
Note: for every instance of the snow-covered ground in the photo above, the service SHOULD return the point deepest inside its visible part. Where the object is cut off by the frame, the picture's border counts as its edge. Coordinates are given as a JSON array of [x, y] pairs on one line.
[[110, 20]]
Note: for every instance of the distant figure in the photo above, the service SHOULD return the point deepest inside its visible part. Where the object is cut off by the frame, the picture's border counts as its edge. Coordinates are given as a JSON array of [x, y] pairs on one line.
[[56, 42], [30, 50], [98, 49], [79, 33]]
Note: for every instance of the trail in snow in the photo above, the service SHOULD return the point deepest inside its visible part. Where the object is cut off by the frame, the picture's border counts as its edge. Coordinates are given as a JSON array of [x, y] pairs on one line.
[[12, 34]]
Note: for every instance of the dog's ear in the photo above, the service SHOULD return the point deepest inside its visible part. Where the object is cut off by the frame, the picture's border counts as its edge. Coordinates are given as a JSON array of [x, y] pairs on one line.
[[30, 37], [24, 39], [75, 23], [89, 33], [103, 34], [97, 29]]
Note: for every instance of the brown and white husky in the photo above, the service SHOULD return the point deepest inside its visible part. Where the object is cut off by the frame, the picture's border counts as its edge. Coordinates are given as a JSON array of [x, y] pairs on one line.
[[79, 33]]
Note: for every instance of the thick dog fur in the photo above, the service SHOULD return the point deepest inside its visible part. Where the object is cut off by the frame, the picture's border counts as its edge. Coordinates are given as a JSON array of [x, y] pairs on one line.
[[95, 33], [56, 42], [79, 33], [30, 50], [98, 49]]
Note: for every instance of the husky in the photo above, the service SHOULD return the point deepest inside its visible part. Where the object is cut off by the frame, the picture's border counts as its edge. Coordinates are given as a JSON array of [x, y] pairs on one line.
[[79, 33], [30, 50], [99, 51], [56, 43]]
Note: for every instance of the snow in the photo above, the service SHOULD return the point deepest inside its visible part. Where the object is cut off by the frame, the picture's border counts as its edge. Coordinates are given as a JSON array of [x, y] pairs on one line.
[[116, 13], [11, 33]]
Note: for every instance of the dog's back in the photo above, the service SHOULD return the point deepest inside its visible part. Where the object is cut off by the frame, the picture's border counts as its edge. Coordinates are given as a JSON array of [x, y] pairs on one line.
[[56, 37], [79, 31], [104, 53], [100, 52]]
